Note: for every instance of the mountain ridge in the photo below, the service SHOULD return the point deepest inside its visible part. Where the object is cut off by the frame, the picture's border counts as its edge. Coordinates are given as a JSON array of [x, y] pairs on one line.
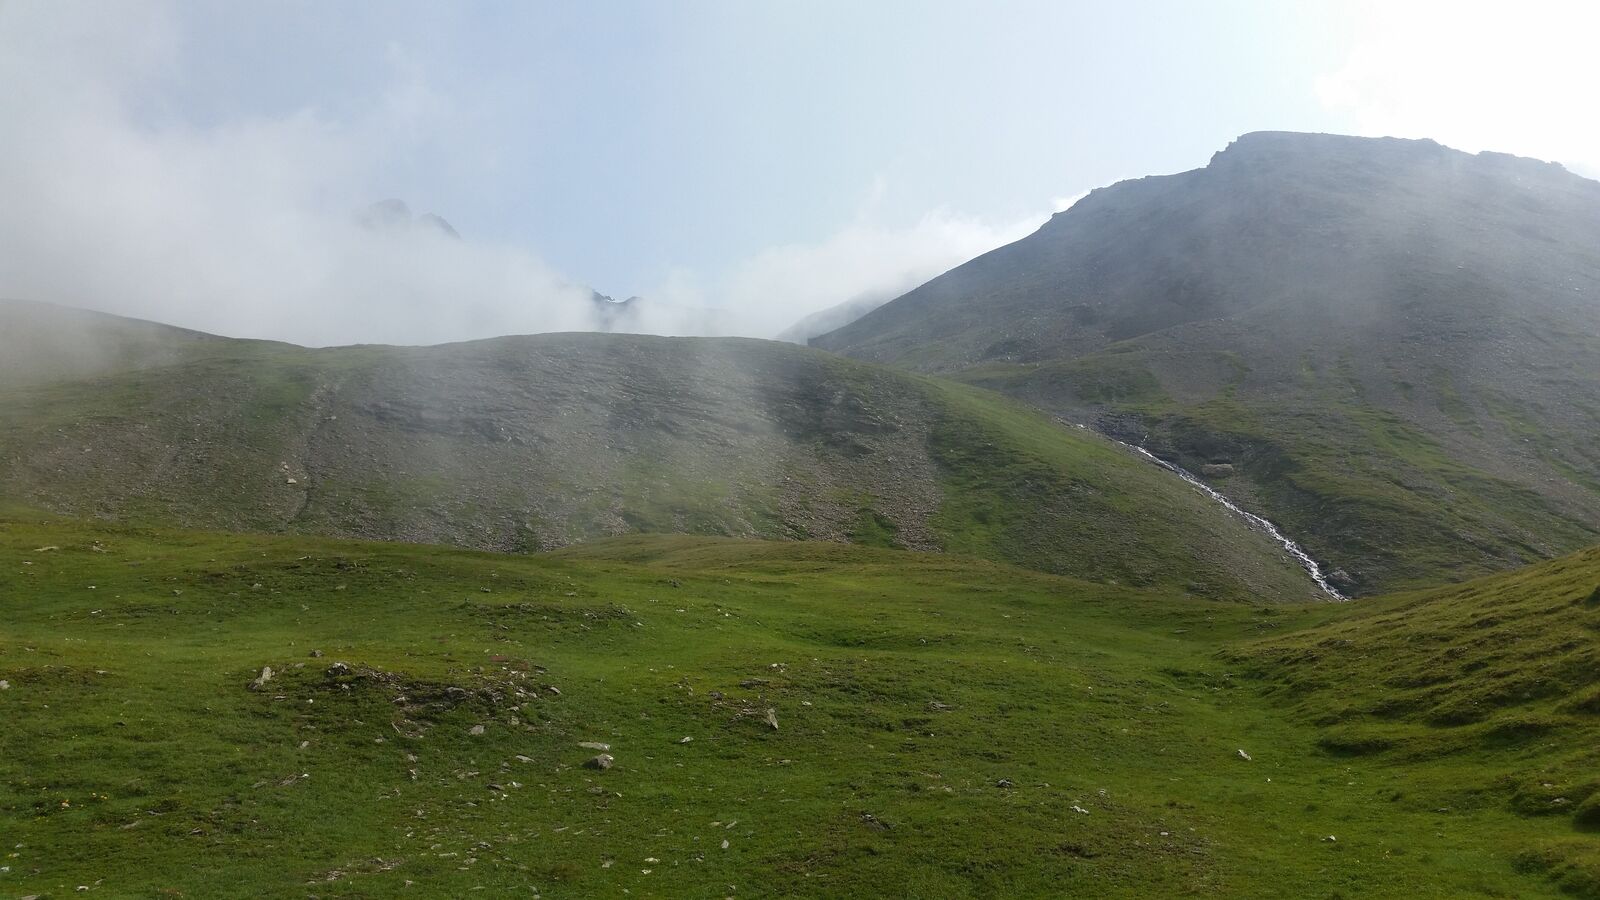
[[1392, 347], [535, 442]]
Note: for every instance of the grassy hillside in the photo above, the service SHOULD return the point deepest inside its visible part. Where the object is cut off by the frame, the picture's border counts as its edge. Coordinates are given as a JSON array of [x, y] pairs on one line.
[[534, 443], [1389, 347], [1486, 694], [946, 727], [1361, 463]]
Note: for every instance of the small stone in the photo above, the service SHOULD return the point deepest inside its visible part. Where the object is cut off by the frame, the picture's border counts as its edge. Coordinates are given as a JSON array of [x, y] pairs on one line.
[[338, 670], [593, 745], [1329, 839], [1244, 756], [1078, 809], [872, 821], [724, 843], [602, 762], [1005, 783], [685, 740], [316, 654], [4, 685], [262, 679], [772, 718], [475, 730]]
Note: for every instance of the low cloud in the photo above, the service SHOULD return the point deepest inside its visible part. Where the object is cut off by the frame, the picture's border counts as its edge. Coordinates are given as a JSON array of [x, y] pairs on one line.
[[246, 226], [251, 226], [863, 260]]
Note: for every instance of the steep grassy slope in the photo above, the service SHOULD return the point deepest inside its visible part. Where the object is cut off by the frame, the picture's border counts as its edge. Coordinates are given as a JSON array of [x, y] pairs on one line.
[[1363, 465], [946, 728], [1390, 347], [1486, 694], [539, 442]]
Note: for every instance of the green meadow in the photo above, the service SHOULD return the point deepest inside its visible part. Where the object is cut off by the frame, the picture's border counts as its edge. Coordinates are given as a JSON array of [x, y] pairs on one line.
[[782, 718]]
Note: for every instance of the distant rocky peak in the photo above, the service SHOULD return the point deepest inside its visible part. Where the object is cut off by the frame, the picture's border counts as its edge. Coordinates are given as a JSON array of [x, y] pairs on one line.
[[393, 215], [1287, 149], [612, 314]]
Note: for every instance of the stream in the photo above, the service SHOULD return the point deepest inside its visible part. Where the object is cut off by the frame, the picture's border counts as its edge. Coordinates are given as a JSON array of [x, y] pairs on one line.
[[1293, 549]]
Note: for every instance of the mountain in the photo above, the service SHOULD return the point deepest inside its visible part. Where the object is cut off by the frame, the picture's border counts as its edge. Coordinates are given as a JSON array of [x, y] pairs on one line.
[[831, 319], [532, 443], [395, 216], [612, 314], [1389, 347]]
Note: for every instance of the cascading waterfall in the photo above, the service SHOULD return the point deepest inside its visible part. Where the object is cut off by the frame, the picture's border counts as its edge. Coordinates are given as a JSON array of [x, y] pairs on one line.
[[1294, 549]]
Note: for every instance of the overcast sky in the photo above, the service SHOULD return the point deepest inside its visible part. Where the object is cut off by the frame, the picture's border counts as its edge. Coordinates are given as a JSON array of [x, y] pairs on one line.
[[202, 163]]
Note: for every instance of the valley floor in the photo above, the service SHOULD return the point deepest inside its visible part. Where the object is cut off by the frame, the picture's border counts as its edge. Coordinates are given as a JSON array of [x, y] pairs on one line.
[[945, 727]]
